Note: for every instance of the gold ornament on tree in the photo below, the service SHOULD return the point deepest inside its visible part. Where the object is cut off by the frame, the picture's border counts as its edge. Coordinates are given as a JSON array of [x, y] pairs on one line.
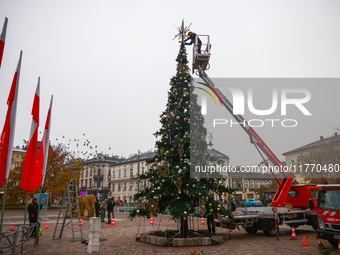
[[163, 170], [178, 184], [153, 207], [171, 116], [203, 202], [217, 183], [180, 150]]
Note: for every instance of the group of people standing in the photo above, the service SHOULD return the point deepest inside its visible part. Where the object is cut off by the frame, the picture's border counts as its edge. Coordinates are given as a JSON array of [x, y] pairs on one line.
[[104, 207]]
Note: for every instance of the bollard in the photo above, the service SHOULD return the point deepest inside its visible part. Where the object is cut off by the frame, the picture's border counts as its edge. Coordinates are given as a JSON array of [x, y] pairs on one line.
[[94, 235]]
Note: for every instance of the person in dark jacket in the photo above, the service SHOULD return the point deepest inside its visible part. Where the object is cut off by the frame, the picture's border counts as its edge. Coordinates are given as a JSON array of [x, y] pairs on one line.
[[192, 36], [210, 221], [97, 207], [33, 213], [110, 209]]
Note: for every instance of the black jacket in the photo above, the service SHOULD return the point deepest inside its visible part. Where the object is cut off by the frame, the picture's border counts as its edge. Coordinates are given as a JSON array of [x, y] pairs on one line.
[[97, 206], [192, 38], [33, 210], [110, 205]]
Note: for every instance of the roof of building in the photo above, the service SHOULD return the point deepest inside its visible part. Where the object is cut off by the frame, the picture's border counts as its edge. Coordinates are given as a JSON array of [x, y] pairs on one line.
[[115, 160], [217, 154], [140, 157], [331, 139]]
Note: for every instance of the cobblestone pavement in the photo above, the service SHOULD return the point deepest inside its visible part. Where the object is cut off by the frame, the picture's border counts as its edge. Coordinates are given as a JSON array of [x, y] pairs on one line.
[[121, 240]]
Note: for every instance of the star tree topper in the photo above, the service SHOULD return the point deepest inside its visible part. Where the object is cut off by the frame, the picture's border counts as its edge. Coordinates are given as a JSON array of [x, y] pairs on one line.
[[182, 31]]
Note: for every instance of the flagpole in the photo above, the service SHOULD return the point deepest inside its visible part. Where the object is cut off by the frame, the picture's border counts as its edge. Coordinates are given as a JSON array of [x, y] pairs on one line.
[[3, 205], [23, 236], [11, 124], [45, 142], [25, 208], [37, 226]]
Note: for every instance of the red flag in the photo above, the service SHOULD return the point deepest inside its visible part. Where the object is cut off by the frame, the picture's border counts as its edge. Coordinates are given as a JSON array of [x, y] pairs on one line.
[[2, 40], [7, 135], [44, 146], [30, 172]]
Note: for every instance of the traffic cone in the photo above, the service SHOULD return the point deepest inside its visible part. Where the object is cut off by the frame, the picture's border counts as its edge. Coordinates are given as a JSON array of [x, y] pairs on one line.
[[319, 243], [151, 221], [81, 223], [304, 243], [13, 226], [46, 227], [293, 234], [202, 222], [112, 222]]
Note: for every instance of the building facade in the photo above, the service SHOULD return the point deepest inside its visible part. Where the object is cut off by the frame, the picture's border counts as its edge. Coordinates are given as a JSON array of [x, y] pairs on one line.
[[96, 177], [293, 156]]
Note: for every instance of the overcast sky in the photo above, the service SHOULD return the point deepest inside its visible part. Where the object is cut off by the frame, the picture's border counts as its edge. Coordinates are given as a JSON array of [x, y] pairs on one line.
[[109, 63]]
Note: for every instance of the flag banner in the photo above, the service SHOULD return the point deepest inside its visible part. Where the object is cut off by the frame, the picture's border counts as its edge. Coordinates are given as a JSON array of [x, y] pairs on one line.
[[44, 146], [2, 40], [31, 172], [7, 135]]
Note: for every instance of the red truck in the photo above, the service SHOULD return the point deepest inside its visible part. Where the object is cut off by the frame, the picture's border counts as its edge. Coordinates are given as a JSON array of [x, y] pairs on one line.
[[328, 213]]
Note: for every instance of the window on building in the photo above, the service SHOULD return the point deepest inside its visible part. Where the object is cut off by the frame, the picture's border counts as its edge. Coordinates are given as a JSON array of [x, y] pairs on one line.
[[252, 184], [119, 174], [136, 185], [131, 172], [118, 186], [240, 184], [113, 187], [130, 186], [124, 172], [266, 183], [234, 184], [113, 175], [246, 184], [124, 185], [257, 184]]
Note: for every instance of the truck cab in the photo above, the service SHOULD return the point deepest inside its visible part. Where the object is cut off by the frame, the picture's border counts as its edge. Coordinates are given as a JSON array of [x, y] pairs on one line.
[[328, 213], [299, 195]]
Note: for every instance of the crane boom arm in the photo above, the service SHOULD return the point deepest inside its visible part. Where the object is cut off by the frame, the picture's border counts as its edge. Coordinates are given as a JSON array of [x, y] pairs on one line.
[[284, 186]]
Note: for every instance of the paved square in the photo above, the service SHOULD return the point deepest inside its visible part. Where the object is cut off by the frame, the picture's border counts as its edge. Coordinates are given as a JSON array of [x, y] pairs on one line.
[[120, 239]]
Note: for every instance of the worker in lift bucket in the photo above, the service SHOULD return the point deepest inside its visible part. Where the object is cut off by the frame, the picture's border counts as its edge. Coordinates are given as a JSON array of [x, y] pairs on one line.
[[192, 36]]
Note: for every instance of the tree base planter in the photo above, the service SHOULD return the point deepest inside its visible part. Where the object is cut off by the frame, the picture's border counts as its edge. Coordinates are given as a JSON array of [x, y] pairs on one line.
[[172, 238]]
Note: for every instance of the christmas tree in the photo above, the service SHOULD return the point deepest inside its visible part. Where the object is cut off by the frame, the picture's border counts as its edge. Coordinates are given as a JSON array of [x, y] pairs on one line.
[[181, 144]]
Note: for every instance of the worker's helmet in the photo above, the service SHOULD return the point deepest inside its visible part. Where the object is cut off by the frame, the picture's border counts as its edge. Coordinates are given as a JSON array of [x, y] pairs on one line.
[[189, 33]]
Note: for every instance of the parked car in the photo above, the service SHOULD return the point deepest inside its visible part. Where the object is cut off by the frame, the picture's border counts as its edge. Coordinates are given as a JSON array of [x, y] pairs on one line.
[[252, 202]]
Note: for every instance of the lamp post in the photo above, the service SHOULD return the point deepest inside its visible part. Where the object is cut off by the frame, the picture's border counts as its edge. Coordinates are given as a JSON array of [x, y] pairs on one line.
[[138, 173], [98, 175], [109, 180]]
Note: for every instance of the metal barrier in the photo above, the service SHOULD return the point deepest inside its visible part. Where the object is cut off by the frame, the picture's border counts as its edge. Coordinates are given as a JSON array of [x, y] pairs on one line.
[[9, 239]]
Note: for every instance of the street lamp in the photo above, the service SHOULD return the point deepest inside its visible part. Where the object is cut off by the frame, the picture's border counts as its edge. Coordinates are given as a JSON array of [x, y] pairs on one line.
[[98, 175], [138, 173]]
